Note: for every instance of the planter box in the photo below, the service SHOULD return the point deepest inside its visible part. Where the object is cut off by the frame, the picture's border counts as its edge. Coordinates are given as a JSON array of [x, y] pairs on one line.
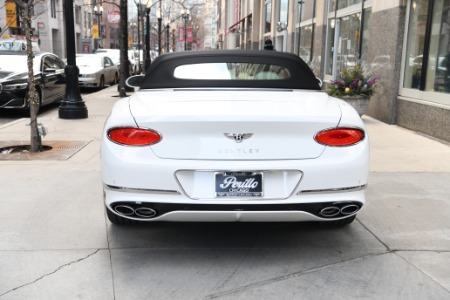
[[360, 103]]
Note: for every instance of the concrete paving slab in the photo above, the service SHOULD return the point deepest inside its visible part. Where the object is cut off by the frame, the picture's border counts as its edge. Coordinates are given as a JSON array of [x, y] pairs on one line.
[[378, 277], [217, 274], [409, 211], [224, 256], [435, 264], [52, 208], [396, 149], [84, 274]]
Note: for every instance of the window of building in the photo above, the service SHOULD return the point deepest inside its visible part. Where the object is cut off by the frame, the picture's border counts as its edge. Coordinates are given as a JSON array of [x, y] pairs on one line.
[[77, 15], [365, 33], [344, 44], [53, 9], [268, 16], [305, 30], [415, 44], [427, 52], [346, 3], [283, 11]]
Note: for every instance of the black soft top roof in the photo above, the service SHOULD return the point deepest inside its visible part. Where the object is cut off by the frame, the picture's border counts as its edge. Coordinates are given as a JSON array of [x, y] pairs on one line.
[[160, 73]]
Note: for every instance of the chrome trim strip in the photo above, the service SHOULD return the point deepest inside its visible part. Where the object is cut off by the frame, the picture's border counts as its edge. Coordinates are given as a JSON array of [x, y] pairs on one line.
[[336, 190], [138, 190]]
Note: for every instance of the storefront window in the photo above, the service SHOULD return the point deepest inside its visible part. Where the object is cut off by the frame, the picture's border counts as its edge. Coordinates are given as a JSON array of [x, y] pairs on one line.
[[283, 12], [348, 46], [415, 43], [438, 71], [365, 36], [347, 3], [330, 46], [306, 43], [347, 28], [306, 15], [268, 16], [332, 5]]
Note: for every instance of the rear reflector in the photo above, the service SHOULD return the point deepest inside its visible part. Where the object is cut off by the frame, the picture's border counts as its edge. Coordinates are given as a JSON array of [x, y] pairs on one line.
[[339, 137], [134, 136]]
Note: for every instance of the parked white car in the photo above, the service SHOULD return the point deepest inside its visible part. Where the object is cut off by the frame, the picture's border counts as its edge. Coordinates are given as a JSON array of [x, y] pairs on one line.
[[96, 70], [233, 135]]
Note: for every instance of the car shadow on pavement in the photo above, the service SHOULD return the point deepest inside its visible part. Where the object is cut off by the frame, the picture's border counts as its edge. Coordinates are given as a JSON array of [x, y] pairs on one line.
[[233, 235]]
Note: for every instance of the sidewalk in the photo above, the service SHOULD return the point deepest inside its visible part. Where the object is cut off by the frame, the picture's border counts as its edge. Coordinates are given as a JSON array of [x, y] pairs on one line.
[[55, 242]]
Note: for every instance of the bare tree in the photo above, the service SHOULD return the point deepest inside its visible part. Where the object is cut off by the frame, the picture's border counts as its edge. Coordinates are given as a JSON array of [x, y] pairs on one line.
[[33, 101], [123, 42]]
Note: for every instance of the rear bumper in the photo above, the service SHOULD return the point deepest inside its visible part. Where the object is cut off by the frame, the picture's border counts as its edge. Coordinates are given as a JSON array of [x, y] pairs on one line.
[[88, 82], [170, 206]]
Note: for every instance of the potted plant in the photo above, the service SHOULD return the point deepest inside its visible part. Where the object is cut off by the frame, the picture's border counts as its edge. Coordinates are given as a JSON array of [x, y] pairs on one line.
[[354, 87]]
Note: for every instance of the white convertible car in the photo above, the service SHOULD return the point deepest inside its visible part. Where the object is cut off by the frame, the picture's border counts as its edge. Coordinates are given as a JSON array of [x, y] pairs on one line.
[[233, 136]]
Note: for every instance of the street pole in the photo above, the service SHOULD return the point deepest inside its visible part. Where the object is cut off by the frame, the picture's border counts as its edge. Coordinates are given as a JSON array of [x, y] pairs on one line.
[[139, 36], [72, 106], [300, 2], [159, 33], [167, 36], [147, 38], [185, 16], [98, 12]]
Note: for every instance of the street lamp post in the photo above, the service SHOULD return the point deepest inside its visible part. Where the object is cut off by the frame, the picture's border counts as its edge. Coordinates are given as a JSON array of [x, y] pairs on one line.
[[185, 17], [167, 22], [158, 16], [147, 35], [98, 11], [72, 106], [138, 6], [300, 2]]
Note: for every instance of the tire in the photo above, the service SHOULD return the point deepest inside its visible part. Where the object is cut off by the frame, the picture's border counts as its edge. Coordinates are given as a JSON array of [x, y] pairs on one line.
[[101, 85], [115, 80], [118, 220], [341, 222]]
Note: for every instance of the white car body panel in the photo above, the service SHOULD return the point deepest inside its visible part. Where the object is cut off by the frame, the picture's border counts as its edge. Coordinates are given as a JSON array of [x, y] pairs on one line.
[[272, 116], [177, 175]]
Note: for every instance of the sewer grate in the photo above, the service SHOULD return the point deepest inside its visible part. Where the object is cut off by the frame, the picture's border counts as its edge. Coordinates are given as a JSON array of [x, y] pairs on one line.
[[57, 150]]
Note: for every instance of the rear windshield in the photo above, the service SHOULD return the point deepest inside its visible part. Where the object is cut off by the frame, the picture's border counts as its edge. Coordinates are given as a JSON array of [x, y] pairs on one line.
[[231, 71]]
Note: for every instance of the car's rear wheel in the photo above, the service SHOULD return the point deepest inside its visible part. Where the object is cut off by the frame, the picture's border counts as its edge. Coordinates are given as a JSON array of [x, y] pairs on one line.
[[101, 85], [341, 222], [116, 79], [115, 219]]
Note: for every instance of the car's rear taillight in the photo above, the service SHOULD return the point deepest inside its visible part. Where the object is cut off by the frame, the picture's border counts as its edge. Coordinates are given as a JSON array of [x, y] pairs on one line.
[[340, 137], [130, 136]]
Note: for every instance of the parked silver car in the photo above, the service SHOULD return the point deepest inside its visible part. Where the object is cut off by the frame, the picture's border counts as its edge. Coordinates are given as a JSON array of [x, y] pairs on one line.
[[96, 70]]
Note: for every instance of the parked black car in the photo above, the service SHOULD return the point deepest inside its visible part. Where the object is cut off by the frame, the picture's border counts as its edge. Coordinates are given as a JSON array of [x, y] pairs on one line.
[[49, 74]]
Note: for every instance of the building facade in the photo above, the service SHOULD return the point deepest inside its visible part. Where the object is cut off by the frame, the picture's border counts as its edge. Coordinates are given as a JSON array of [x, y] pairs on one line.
[[48, 24], [404, 42]]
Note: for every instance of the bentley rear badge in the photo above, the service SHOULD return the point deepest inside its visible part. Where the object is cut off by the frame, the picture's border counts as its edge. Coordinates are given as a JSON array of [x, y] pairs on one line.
[[238, 137]]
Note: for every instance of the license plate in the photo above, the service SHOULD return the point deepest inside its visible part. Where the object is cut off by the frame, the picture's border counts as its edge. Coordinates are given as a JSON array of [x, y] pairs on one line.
[[239, 184]]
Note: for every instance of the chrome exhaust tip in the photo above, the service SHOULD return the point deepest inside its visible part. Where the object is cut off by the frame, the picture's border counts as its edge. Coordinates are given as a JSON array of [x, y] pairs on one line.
[[124, 210], [145, 212], [330, 211], [349, 209]]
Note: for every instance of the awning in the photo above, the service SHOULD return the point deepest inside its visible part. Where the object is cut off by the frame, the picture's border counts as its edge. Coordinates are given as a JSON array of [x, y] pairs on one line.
[[235, 27]]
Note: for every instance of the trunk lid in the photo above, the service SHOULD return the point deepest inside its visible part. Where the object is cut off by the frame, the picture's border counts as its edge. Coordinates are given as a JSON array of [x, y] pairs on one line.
[[200, 125]]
